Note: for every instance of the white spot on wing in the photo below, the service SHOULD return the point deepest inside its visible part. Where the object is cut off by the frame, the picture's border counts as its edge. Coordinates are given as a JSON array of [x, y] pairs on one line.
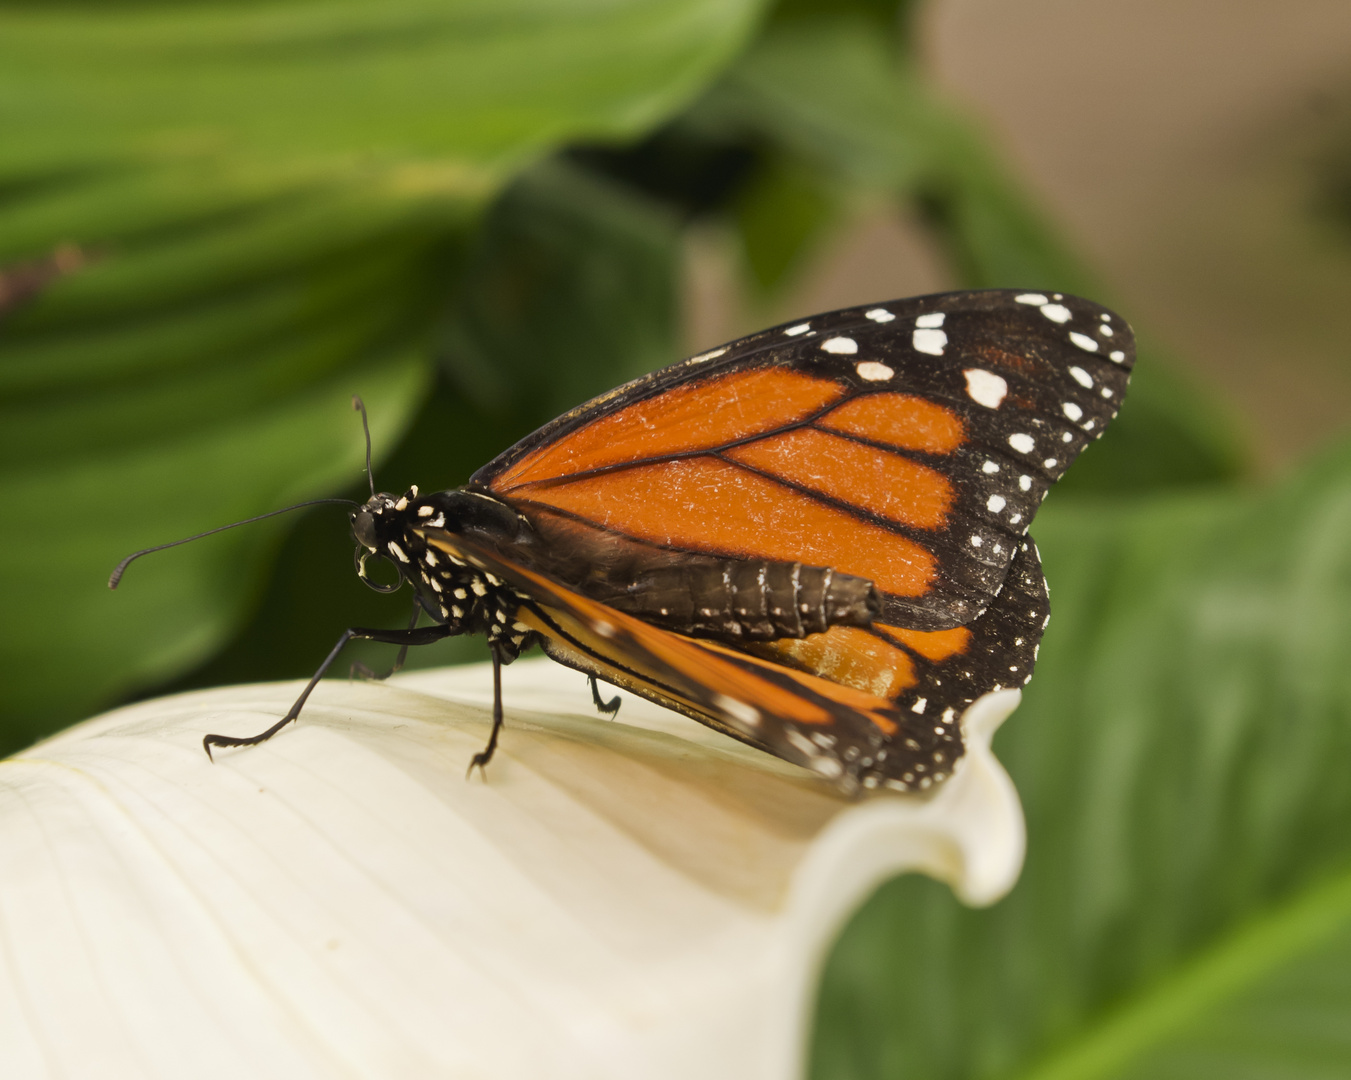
[[1083, 341], [1116, 355], [932, 342], [827, 767], [712, 354], [920, 705], [1025, 482], [800, 328], [932, 321], [1082, 377], [1022, 442], [989, 467], [873, 371], [738, 710], [797, 739], [1031, 298], [880, 315], [976, 541], [1057, 313], [995, 504], [841, 346], [985, 387]]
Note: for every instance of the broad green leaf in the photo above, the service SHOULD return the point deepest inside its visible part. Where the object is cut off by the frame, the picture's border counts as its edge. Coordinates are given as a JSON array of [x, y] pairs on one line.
[[1182, 754], [322, 84], [271, 207]]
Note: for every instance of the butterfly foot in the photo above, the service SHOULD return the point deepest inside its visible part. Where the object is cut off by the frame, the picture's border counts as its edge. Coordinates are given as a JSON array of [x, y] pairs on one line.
[[607, 708], [479, 761]]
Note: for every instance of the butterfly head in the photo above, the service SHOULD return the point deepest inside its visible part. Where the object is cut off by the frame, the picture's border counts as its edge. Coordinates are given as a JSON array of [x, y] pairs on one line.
[[378, 525]]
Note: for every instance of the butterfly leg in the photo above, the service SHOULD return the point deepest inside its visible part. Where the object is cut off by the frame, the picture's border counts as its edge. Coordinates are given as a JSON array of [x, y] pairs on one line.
[[608, 708], [485, 755], [424, 636], [361, 669]]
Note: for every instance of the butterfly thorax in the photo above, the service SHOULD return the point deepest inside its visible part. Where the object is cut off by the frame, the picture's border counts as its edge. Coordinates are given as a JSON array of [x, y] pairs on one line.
[[405, 529]]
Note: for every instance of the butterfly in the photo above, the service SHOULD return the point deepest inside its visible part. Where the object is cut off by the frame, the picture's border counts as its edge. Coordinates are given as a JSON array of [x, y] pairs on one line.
[[813, 539]]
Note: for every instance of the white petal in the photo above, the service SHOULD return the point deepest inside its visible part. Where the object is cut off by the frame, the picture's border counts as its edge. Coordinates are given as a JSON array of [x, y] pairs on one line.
[[619, 898]]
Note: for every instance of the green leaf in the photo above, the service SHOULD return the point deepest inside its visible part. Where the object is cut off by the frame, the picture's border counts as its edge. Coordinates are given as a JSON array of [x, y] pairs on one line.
[[1273, 999], [1182, 756], [320, 84], [569, 288], [782, 215], [269, 208]]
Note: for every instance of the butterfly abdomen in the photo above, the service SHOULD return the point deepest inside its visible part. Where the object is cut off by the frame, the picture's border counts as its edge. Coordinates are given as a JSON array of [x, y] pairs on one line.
[[745, 600]]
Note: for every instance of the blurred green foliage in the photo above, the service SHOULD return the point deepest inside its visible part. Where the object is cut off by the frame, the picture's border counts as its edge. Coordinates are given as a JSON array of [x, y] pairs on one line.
[[217, 221]]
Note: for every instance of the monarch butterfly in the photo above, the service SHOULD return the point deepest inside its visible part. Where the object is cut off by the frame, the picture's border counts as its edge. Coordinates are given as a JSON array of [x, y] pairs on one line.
[[813, 539]]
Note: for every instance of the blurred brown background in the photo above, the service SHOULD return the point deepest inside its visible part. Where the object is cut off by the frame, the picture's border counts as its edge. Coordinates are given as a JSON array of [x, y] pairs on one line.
[[1199, 164]]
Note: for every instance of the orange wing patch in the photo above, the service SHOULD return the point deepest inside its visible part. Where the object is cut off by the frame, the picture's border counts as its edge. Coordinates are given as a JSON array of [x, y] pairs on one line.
[[851, 657], [859, 698], [698, 416], [935, 645], [901, 420], [889, 485], [707, 505]]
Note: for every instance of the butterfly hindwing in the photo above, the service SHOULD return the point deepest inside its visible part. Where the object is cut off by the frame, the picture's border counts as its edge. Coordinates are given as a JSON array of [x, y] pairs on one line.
[[883, 712], [907, 443]]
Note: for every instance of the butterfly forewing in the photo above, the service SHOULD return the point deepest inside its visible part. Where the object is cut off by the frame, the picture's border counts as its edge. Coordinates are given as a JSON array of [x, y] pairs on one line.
[[908, 443]]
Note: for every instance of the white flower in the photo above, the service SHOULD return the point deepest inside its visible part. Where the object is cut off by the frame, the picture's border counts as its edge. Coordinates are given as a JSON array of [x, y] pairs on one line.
[[631, 898]]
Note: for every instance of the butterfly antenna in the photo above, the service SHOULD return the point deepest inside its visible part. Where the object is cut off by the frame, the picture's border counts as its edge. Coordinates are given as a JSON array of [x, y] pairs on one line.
[[360, 406], [122, 566]]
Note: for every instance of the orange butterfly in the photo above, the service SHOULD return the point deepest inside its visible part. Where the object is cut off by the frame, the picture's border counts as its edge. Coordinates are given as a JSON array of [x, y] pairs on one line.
[[812, 539]]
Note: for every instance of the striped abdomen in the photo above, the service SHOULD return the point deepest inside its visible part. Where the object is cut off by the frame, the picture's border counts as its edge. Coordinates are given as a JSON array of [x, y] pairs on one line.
[[735, 601]]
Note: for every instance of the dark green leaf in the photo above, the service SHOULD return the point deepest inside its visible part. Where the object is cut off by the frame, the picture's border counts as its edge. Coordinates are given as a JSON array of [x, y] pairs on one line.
[[570, 287], [781, 217]]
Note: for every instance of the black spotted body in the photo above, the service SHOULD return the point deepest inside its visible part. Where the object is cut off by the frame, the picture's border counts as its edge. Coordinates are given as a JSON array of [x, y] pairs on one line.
[[719, 599], [465, 599]]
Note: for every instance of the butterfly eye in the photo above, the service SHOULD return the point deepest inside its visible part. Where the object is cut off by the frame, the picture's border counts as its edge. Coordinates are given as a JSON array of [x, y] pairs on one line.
[[363, 528]]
